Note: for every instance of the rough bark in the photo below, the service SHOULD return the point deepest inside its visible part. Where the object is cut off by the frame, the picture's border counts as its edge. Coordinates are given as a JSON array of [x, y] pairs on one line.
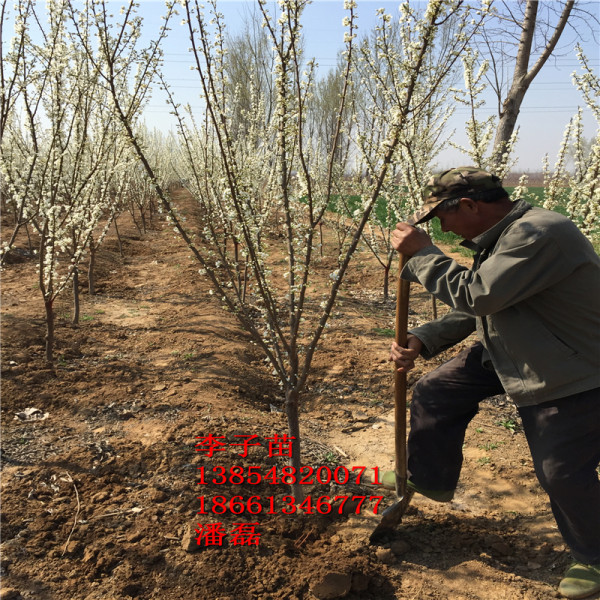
[[91, 266], [119, 239], [49, 330], [75, 320], [523, 75], [292, 414]]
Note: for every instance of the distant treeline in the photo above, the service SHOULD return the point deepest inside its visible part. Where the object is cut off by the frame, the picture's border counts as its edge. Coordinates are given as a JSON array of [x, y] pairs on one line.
[[535, 179]]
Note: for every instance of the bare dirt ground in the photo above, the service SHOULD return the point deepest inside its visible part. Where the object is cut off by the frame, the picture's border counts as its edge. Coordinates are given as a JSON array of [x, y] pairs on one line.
[[99, 499]]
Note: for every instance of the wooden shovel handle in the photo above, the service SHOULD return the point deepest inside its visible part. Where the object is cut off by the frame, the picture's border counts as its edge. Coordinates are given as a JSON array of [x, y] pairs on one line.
[[402, 300]]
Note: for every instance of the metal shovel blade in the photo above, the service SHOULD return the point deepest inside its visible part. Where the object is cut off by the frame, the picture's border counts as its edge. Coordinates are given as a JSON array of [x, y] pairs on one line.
[[391, 517]]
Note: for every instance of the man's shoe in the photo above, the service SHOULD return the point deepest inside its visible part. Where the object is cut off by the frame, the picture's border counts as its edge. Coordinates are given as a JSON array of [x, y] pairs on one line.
[[437, 495], [580, 581], [389, 482]]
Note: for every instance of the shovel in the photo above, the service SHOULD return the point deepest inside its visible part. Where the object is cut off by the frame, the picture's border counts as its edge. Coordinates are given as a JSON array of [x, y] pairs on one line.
[[392, 516]]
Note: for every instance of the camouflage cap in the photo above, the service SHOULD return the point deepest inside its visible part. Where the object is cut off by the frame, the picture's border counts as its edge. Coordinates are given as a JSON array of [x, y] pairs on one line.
[[455, 183]]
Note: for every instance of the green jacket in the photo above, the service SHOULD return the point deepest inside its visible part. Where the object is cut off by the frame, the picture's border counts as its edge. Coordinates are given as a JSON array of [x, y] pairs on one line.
[[532, 295]]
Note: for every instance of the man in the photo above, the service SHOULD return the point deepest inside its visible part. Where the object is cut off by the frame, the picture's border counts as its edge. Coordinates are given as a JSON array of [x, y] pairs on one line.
[[533, 296]]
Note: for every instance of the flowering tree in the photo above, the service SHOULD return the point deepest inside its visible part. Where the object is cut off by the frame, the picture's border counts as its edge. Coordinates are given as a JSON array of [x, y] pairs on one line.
[[513, 69], [248, 63], [579, 190], [16, 69], [272, 176], [56, 162], [384, 66], [300, 177], [584, 204], [480, 133], [113, 186]]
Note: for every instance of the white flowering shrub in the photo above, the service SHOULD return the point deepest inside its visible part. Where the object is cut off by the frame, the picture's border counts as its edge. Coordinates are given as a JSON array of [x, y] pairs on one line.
[[480, 134], [262, 171], [272, 177], [17, 70], [59, 158], [401, 111], [583, 205], [578, 190]]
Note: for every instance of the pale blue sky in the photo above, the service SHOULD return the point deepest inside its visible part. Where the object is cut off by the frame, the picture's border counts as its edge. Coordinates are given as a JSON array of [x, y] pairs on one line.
[[548, 106]]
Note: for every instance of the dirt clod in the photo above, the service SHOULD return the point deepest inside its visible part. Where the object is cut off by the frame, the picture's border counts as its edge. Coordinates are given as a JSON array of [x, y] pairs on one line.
[[399, 547], [331, 585]]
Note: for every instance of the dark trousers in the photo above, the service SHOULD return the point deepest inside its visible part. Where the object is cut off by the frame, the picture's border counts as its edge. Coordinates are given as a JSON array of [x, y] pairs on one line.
[[563, 436]]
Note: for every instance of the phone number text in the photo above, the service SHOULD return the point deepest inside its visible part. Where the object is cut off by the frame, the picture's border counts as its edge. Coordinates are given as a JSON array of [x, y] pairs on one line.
[[286, 505], [288, 475]]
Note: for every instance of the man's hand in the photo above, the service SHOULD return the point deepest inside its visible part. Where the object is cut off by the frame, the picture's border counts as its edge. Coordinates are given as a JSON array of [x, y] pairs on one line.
[[405, 357], [409, 240]]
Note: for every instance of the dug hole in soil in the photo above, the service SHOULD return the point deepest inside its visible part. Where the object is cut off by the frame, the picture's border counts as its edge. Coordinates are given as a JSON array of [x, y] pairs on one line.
[[100, 489]]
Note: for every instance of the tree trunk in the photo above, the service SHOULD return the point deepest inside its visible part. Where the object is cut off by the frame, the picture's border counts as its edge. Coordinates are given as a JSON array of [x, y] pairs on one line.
[[236, 259], [434, 306], [119, 238], [143, 218], [386, 282], [151, 212], [512, 104], [75, 320], [91, 265], [245, 285], [321, 237], [49, 330], [523, 76], [291, 411], [30, 243], [137, 225]]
